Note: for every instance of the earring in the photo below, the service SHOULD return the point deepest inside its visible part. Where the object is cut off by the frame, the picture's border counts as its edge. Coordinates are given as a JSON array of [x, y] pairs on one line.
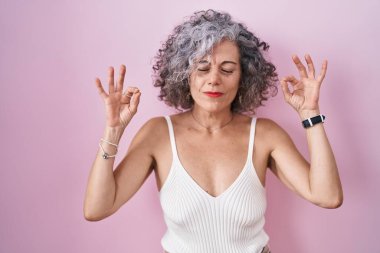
[[240, 98]]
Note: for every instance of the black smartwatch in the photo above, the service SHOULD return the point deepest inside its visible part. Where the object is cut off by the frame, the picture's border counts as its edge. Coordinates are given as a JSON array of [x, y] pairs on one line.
[[314, 120]]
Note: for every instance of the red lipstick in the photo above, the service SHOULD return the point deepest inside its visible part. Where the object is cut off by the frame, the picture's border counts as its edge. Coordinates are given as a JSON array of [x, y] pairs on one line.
[[214, 94]]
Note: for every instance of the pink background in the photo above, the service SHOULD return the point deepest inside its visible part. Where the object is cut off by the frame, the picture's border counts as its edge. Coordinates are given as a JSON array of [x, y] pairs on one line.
[[52, 118]]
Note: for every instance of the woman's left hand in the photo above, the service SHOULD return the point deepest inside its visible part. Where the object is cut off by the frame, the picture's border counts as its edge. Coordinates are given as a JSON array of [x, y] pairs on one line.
[[305, 95]]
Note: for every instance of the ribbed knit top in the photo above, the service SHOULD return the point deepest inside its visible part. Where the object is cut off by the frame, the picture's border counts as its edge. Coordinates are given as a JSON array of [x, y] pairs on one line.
[[198, 222]]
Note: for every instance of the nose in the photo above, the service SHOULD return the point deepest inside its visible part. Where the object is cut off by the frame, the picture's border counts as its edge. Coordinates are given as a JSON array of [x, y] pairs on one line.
[[214, 78]]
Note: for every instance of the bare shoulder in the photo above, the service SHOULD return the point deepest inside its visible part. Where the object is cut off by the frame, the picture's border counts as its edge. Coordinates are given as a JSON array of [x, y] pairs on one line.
[[268, 125], [154, 126], [270, 131], [155, 122], [152, 132]]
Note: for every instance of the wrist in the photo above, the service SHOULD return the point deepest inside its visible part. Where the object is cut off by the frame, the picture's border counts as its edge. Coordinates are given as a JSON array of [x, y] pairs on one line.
[[113, 134], [304, 114]]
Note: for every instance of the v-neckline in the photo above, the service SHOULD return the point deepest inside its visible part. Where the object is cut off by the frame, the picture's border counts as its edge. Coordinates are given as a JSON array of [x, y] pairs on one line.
[[208, 195], [248, 162]]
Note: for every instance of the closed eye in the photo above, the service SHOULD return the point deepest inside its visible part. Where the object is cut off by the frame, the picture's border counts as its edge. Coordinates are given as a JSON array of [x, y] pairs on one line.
[[225, 71]]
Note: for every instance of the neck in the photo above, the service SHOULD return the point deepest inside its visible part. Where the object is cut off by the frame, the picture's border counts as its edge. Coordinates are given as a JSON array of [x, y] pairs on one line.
[[211, 121]]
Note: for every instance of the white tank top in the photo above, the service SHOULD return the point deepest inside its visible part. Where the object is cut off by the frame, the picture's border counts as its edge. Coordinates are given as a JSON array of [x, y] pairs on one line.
[[198, 222]]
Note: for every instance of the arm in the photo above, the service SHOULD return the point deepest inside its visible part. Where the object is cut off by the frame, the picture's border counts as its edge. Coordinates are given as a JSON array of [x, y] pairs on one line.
[[108, 190], [319, 181], [103, 183], [325, 185]]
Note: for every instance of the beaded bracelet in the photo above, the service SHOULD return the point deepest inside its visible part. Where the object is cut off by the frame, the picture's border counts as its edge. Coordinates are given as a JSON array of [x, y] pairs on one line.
[[105, 154]]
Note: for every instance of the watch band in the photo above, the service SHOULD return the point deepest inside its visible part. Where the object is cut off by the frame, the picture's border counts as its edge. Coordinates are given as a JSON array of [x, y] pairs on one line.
[[309, 122]]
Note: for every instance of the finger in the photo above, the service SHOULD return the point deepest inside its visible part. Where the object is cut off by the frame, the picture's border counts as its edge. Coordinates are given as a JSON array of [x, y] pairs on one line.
[[128, 94], [285, 90], [310, 66], [296, 84], [301, 68], [121, 78], [101, 91], [130, 90], [323, 72], [111, 80], [291, 79], [135, 101]]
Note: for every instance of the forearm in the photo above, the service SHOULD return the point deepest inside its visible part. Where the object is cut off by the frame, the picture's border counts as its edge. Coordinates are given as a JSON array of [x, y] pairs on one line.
[[325, 185], [101, 187]]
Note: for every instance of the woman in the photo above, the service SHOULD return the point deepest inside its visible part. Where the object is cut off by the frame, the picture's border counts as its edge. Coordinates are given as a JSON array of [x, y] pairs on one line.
[[210, 160]]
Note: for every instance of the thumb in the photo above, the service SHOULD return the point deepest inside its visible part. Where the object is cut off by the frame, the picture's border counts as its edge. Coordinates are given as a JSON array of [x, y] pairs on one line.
[[285, 90]]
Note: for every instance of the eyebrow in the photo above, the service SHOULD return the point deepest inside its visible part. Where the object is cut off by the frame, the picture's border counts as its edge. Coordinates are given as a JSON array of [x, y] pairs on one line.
[[224, 62]]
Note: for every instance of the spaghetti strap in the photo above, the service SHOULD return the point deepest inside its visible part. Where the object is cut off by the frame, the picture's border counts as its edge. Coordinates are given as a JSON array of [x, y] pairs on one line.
[[171, 135], [252, 138]]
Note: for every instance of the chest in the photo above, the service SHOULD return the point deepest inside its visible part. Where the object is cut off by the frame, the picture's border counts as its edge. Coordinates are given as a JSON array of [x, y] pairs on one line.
[[212, 163]]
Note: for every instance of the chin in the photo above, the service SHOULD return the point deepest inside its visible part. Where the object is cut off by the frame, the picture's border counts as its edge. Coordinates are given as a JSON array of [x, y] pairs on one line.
[[214, 107]]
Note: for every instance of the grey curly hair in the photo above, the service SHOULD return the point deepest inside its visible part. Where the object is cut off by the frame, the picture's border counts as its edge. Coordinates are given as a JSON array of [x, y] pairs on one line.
[[195, 38]]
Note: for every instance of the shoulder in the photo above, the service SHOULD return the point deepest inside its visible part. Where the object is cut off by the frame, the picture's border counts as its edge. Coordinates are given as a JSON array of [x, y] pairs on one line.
[[151, 137], [158, 125], [155, 123], [151, 133], [271, 132], [267, 125], [154, 128]]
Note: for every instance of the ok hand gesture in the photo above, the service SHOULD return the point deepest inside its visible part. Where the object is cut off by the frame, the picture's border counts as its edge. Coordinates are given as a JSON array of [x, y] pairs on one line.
[[120, 107], [305, 95]]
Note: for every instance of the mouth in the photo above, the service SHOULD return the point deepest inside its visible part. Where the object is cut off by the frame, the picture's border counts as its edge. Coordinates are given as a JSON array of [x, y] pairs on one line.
[[213, 94]]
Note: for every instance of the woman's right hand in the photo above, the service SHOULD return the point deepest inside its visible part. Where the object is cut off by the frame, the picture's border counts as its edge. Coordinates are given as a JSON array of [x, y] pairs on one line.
[[120, 107]]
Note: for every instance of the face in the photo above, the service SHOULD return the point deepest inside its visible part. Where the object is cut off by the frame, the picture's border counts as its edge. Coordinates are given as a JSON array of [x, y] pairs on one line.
[[215, 79]]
